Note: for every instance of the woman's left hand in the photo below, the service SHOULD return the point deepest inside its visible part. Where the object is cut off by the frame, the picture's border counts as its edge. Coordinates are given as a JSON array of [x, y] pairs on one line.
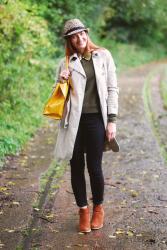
[[111, 131]]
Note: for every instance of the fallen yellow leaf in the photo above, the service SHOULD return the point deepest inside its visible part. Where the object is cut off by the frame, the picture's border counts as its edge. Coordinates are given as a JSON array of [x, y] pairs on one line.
[[36, 209], [156, 176], [49, 216], [55, 231], [130, 233], [11, 183], [9, 230], [16, 203], [112, 236], [2, 245], [6, 193], [134, 193], [79, 245], [119, 231], [2, 189]]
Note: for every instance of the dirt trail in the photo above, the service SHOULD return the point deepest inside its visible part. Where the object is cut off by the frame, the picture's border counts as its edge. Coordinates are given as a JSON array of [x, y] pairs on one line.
[[20, 187], [135, 189]]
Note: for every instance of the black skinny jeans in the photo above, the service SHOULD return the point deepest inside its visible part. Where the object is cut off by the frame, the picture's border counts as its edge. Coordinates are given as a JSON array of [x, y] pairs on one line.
[[90, 137]]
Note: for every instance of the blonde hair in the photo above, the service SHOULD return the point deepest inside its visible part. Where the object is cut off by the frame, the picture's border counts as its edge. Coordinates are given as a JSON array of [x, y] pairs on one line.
[[70, 50]]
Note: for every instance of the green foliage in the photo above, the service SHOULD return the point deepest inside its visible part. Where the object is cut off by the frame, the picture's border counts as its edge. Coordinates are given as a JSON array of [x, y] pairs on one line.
[[132, 55], [56, 12], [23, 42], [143, 21], [26, 65]]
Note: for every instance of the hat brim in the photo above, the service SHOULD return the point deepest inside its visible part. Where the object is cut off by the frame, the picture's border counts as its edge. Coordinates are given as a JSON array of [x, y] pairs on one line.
[[76, 31]]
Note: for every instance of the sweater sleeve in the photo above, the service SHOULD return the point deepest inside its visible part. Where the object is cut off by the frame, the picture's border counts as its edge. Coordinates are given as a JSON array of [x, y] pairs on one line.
[[112, 118]]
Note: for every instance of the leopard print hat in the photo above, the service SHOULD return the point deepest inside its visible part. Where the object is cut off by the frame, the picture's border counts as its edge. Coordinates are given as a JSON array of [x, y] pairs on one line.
[[73, 26]]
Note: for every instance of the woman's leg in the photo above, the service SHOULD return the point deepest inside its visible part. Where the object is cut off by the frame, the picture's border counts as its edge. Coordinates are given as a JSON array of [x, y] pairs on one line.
[[78, 180], [95, 135], [78, 168]]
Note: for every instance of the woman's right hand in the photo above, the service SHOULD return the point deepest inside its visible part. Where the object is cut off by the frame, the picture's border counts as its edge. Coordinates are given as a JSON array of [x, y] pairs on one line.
[[64, 75]]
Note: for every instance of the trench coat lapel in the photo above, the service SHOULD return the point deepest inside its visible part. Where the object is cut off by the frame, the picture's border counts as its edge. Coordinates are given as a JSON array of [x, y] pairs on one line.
[[97, 65], [75, 64]]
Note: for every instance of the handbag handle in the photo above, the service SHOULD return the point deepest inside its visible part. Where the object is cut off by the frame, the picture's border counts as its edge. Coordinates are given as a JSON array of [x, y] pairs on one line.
[[69, 79], [67, 54], [67, 61]]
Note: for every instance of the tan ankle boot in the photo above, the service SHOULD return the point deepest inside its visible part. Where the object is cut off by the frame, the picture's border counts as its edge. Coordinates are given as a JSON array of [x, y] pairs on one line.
[[98, 217], [84, 221]]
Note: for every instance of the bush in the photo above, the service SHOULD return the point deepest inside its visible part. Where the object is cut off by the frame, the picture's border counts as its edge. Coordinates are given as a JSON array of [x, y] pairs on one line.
[[27, 66], [143, 21]]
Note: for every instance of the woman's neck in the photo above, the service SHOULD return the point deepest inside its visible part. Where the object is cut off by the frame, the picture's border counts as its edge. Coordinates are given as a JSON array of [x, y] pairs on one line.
[[81, 52]]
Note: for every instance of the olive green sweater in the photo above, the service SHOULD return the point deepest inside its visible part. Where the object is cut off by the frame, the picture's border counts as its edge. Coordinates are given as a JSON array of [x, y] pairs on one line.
[[91, 102]]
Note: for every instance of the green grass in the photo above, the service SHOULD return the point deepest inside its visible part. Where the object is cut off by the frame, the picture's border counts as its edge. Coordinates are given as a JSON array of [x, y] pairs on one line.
[[132, 55], [55, 171], [154, 121], [163, 91]]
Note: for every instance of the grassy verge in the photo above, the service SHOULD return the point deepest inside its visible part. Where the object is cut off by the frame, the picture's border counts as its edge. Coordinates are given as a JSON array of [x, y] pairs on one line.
[[163, 90], [132, 55], [152, 117], [55, 170]]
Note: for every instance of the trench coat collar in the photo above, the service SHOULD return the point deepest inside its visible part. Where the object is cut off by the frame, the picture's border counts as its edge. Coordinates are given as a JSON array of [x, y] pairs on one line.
[[74, 62], [75, 56]]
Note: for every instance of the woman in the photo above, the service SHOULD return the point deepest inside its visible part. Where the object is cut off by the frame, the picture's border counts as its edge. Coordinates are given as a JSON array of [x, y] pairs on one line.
[[89, 118]]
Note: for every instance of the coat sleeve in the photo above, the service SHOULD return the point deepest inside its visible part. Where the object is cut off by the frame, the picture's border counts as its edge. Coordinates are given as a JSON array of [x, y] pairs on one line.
[[113, 90]]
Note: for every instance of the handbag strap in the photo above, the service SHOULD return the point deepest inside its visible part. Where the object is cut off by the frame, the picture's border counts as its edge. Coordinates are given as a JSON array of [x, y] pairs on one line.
[[67, 53], [69, 80], [67, 61]]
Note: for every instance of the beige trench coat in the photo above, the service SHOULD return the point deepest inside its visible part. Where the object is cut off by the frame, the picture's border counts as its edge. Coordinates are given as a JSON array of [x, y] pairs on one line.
[[108, 94]]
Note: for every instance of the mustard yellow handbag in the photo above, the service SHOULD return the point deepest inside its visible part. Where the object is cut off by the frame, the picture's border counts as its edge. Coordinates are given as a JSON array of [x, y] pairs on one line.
[[55, 105]]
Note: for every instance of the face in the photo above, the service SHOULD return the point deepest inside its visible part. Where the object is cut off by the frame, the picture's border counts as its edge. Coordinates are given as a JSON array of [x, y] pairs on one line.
[[79, 41]]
